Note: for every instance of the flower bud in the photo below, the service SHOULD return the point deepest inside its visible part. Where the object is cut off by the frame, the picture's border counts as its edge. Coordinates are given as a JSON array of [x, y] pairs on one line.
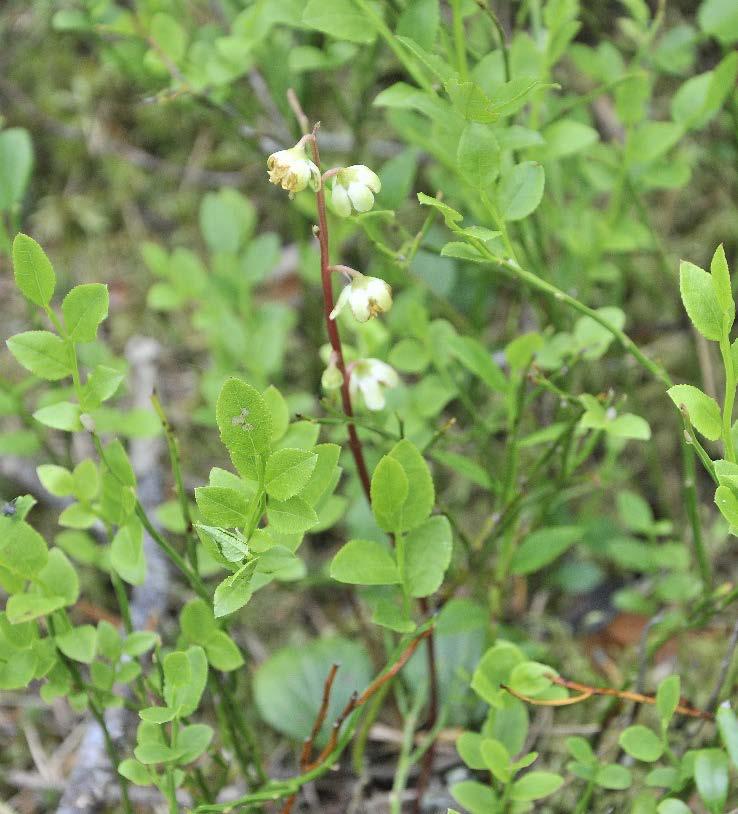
[[354, 189], [366, 296], [332, 377], [371, 377], [293, 170]]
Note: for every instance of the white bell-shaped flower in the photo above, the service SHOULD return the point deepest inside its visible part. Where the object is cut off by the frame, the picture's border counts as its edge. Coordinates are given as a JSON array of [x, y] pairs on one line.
[[366, 296], [293, 170], [354, 189], [371, 377]]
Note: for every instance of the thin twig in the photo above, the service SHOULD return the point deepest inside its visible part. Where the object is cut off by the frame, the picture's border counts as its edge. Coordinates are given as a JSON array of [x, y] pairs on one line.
[[336, 744], [586, 691]]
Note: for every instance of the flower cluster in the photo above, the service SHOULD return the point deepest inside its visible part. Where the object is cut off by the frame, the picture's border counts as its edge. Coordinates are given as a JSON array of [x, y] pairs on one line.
[[353, 190]]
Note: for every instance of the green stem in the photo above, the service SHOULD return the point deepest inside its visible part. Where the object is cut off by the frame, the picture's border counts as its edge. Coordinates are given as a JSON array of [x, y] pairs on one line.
[[174, 461], [386, 34], [404, 760], [240, 732], [583, 804], [459, 40], [171, 793], [730, 385]]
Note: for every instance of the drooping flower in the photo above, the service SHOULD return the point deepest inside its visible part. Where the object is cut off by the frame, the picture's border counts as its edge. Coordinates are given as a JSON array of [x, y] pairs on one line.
[[371, 377], [354, 189], [293, 170], [366, 296], [332, 377]]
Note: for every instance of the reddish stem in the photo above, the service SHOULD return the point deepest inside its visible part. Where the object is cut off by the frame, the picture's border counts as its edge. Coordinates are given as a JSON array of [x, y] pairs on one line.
[[354, 442], [332, 327]]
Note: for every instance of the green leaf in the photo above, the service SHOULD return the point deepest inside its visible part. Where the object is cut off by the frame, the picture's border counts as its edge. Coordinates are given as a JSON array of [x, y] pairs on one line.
[[24, 607], [292, 516], [450, 216], [169, 35], [580, 750], [59, 578], [478, 360], [727, 501], [542, 547], [641, 743], [420, 19], [711, 777], [84, 308], [531, 677], [471, 101], [79, 643], [226, 220], [23, 550], [86, 480], [16, 162], [437, 66], [277, 406], [389, 491], [324, 475], [728, 727], [222, 651], [64, 415], [234, 591], [157, 715], [365, 562], [421, 495], [288, 686], [140, 642], [34, 275], [673, 806], [192, 741], [288, 471], [478, 155], [667, 698], [42, 353], [469, 747], [245, 425], [197, 621], [127, 553], [152, 752], [567, 137], [221, 543], [721, 281], [134, 771], [520, 190], [57, 480], [341, 19], [185, 676], [719, 18], [703, 411], [428, 550], [535, 785], [496, 759], [613, 777], [101, 384], [700, 300], [476, 797], [222, 506]]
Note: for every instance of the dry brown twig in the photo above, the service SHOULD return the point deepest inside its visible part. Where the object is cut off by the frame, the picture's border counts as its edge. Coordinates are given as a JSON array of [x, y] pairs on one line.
[[586, 691], [355, 701]]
